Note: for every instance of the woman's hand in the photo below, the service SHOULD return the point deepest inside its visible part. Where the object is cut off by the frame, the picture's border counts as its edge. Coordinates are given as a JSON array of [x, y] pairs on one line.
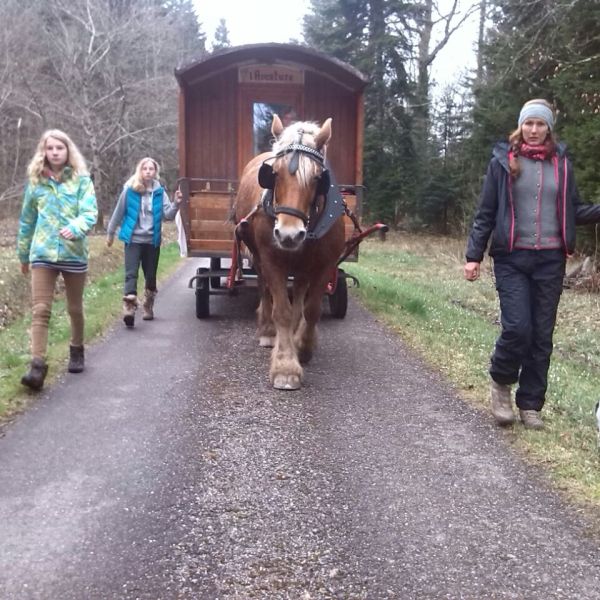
[[109, 241], [67, 233], [178, 196], [472, 271], [24, 268]]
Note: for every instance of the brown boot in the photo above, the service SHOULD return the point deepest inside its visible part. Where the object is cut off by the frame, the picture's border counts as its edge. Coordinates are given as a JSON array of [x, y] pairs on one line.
[[34, 378], [76, 359], [501, 403], [130, 304], [148, 305], [531, 419]]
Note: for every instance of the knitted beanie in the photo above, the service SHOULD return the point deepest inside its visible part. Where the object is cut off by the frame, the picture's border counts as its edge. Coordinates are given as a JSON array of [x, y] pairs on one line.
[[537, 110]]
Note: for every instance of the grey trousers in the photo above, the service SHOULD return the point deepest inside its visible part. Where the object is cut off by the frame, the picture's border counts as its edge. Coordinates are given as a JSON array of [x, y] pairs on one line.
[[145, 255]]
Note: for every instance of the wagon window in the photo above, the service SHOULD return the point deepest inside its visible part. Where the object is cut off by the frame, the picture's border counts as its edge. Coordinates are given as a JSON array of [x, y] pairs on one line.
[[262, 118]]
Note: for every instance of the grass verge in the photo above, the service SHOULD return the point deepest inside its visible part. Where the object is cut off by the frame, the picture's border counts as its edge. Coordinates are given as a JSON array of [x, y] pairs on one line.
[[415, 285], [102, 303]]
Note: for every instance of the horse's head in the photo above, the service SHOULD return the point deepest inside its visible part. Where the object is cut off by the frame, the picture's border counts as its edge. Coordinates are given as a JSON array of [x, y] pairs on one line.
[[297, 176]]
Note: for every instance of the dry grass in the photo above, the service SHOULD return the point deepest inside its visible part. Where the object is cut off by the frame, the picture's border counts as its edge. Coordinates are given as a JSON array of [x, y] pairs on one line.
[[14, 287]]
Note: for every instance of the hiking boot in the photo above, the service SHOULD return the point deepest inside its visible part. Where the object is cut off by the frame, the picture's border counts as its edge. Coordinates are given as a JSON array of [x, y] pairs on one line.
[[76, 361], [501, 403], [531, 419], [148, 305], [34, 378], [130, 304]]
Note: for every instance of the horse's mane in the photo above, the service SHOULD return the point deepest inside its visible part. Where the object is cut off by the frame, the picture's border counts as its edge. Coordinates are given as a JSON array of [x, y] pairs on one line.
[[308, 169]]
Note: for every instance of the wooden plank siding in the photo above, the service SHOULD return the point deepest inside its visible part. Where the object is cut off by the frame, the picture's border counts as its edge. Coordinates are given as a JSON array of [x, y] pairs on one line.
[[211, 128], [324, 98], [210, 222]]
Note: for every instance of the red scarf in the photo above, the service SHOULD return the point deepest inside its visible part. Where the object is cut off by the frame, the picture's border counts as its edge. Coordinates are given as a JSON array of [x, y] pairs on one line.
[[536, 152]]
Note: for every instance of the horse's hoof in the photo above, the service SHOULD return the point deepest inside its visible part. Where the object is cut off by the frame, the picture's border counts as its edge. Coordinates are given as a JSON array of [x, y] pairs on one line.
[[266, 341], [286, 382]]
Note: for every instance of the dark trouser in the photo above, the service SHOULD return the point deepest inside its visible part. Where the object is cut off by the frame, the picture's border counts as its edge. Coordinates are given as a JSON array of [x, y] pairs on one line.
[[146, 255], [529, 284]]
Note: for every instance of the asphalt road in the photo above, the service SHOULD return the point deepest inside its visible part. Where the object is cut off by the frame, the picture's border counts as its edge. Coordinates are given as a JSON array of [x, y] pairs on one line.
[[170, 469]]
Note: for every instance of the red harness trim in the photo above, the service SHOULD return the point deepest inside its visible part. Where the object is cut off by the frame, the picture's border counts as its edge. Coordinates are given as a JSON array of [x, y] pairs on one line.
[[357, 238], [236, 250]]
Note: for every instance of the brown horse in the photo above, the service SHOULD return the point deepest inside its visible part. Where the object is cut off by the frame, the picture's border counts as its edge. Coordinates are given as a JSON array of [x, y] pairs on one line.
[[292, 231]]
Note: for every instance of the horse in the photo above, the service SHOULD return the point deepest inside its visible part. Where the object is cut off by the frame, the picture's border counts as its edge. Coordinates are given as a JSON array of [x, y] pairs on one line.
[[291, 226]]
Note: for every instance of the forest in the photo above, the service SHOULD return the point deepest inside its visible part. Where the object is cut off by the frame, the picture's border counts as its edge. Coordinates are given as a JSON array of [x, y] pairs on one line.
[[103, 70]]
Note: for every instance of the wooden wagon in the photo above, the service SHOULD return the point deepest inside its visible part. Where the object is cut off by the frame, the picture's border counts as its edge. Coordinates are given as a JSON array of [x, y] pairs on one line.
[[226, 103]]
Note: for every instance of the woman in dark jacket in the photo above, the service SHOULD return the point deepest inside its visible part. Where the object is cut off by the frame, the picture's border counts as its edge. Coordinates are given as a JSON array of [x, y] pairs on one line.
[[529, 206]]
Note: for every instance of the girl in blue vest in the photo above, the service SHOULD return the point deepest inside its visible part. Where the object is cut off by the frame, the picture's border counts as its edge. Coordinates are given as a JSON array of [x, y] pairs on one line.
[[140, 210]]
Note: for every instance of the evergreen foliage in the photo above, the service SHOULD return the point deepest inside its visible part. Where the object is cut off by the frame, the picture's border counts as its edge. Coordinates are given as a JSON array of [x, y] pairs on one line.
[[531, 49], [365, 34], [221, 36]]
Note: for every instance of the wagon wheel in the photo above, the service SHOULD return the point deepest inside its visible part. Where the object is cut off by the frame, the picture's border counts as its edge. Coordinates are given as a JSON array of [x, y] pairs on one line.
[[215, 265], [338, 301], [202, 295]]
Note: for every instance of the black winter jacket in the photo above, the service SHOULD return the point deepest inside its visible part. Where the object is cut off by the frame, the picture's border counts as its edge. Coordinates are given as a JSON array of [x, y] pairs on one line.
[[495, 215]]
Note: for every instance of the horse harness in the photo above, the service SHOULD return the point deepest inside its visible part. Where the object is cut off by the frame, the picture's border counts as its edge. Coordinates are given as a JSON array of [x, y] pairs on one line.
[[318, 222]]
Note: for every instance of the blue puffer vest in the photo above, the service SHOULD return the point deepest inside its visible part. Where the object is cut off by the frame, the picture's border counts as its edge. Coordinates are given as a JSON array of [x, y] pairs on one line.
[[133, 202]]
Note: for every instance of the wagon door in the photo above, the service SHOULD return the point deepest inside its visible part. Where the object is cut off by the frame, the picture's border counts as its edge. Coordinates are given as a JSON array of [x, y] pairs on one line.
[[266, 90]]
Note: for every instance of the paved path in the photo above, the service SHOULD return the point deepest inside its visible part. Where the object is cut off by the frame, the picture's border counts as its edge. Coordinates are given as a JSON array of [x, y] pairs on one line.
[[172, 469]]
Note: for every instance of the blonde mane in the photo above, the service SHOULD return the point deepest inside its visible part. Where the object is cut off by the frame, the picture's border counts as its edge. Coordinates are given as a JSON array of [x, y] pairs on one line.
[[308, 169]]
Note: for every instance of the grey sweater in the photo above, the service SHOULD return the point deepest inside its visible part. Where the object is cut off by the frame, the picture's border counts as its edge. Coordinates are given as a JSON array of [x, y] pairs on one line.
[[535, 195], [144, 228]]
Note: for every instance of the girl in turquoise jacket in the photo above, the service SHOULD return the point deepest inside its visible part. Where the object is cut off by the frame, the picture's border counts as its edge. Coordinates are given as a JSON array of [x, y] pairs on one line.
[[59, 210]]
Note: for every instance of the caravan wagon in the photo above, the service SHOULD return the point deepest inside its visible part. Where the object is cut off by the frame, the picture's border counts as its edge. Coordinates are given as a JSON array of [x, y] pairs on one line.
[[226, 105]]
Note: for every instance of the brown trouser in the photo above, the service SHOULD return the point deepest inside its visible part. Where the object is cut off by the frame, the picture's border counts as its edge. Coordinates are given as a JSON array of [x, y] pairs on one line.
[[43, 282]]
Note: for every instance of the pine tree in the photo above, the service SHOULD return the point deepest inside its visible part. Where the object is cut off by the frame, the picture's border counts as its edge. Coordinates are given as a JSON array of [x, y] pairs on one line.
[[221, 36]]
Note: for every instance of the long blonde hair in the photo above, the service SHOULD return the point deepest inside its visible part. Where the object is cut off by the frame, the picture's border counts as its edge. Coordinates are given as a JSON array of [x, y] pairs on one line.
[[135, 181], [38, 163], [515, 139]]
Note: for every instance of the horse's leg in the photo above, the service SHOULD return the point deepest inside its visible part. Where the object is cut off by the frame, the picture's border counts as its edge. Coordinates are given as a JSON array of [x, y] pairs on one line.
[[266, 327], [299, 322], [298, 295], [306, 336], [286, 372]]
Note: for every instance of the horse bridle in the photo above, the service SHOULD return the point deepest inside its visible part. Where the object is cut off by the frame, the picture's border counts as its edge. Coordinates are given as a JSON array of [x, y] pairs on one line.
[[267, 176]]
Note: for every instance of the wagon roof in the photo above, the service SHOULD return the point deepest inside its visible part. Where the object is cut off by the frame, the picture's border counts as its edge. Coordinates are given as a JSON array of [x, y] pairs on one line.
[[225, 58]]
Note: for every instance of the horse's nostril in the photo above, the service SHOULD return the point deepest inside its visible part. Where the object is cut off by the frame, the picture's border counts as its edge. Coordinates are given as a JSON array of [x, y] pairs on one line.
[[300, 236]]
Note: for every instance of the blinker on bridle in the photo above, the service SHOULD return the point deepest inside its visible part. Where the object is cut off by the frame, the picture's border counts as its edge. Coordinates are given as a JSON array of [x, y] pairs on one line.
[[266, 178]]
